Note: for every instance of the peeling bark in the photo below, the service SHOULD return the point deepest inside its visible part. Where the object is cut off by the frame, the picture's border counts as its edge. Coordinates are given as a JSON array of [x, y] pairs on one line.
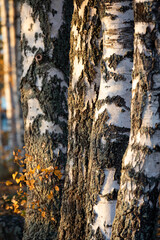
[[136, 213], [45, 50]]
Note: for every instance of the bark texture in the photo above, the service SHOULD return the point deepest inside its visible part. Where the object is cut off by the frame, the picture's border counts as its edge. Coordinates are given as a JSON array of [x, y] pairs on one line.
[[45, 50], [85, 56], [136, 213], [111, 126], [99, 101]]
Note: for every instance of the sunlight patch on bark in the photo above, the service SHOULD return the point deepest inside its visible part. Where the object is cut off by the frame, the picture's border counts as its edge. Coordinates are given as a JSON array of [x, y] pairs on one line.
[[104, 209], [77, 70], [141, 27]]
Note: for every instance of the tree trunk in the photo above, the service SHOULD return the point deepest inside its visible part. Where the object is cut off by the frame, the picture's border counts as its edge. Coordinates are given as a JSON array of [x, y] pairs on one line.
[[85, 56], [136, 212], [110, 131], [11, 83], [45, 47], [7, 58], [97, 129]]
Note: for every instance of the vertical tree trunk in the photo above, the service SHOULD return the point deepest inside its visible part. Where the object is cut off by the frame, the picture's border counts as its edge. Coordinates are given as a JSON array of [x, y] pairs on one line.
[[17, 68], [110, 131], [8, 72], [11, 84], [136, 212], [45, 47], [85, 56], [95, 135]]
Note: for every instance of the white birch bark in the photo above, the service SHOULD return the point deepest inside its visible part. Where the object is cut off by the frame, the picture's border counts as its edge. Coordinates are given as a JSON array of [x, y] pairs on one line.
[[136, 212], [111, 125], [45, 52]]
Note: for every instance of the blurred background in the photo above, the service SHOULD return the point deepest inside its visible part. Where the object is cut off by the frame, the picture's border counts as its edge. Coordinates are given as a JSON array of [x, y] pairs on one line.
[[11, 122]]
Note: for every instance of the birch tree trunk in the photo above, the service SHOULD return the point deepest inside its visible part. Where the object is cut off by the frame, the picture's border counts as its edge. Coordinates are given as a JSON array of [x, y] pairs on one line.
[[98, 134], [85, 56], [136, 212], [111, 126], [45, 47]]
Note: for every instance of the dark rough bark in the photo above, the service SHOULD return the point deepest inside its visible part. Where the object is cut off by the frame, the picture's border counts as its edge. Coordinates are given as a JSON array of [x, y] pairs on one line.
[[85, 55], [88, 157], [45, 49], [136, 213]]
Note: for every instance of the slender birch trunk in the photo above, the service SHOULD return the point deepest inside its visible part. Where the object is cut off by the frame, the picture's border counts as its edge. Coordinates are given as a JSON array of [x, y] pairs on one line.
[[85, 56], [111, 127], [136, 212], [45, 47]]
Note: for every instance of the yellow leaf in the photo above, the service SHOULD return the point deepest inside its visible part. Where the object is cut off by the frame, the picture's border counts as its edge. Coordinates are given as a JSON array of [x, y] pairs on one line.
[[38, 167], [8, 183], [60, 176], [56, 188], [14, 175], [33, 206], [57, 172], [53, 219], [43, 214], [40, 178], [18, 180], [23, 202], [7, 207], [22, 178]]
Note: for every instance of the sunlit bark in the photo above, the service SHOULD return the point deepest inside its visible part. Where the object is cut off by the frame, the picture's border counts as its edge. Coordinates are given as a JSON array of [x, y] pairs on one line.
[[45, 47], [99, 117], [136, 212], [110, 131], [85, 56]]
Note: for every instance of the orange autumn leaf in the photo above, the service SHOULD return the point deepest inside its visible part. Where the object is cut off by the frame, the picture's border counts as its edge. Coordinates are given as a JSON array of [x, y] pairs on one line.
[[50, 195], [14, 175], [56, 188], [43, 214], [8, 183], [38, 167], [18, 180]]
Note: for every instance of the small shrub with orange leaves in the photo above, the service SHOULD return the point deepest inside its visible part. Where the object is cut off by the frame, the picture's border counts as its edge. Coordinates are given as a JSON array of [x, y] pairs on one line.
[[31, 179]]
